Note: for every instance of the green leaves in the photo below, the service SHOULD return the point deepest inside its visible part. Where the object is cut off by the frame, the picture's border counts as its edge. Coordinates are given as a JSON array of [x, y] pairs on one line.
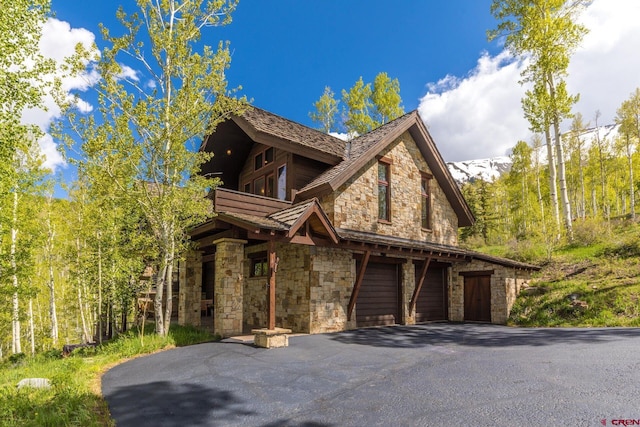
[[365, 108]]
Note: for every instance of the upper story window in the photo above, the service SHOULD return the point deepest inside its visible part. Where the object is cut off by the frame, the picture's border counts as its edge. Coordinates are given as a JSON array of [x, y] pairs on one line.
[[384, 190], [425, 197], [263, 158]]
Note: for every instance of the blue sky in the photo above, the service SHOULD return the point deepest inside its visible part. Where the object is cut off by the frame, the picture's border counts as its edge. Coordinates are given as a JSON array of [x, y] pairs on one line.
[[286, 51]]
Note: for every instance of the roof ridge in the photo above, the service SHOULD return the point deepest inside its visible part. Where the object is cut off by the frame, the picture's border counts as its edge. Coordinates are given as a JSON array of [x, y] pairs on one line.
[[293, 122]]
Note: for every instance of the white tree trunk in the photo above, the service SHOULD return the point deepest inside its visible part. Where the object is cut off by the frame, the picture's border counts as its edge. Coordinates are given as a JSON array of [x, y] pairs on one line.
[[53, 316], [32, 334], [16, 337], [564, 196], [553, 192]]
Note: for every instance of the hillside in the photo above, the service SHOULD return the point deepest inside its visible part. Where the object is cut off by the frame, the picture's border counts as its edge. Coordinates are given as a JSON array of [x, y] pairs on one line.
[[586, 285]]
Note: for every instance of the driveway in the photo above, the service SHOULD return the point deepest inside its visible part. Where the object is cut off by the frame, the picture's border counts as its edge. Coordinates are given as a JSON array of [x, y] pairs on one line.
[[425, 375]]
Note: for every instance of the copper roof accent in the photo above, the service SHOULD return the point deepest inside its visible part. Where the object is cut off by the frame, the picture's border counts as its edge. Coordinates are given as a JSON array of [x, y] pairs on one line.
[[366, 147], [271, 129]]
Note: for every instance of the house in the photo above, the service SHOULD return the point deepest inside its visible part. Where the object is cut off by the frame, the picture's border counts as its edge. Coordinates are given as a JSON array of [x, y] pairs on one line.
[[316, 234]]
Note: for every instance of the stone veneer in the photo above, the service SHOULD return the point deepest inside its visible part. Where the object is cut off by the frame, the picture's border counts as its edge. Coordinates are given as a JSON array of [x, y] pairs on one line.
[[355, 204], [332, 275], [228, 287], [313, 287], [189, 294], [506, 283]]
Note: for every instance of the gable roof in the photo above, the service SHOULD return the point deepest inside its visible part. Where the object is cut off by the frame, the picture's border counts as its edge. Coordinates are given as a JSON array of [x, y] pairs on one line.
[[366, 147], [289, 220], [270, 129]]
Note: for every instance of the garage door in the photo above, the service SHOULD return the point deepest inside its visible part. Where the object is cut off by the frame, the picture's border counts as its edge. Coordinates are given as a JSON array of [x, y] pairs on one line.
[[432, 300], [378, 299], [477, 298]]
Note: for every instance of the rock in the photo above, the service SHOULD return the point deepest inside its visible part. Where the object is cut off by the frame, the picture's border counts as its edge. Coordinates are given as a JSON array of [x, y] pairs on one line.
[[35, 383]]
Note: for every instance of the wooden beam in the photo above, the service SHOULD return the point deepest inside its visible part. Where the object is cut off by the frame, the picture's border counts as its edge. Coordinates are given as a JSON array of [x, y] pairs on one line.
[[416, 291], [271, 289], [358, 283]]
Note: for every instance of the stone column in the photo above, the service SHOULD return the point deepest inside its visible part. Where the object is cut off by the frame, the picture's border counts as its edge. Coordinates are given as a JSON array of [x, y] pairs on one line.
[[190, 290], [228, 287], [408, 287]]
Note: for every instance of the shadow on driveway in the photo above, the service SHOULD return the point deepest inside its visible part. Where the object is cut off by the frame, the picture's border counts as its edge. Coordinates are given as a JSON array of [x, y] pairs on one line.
[[478, 335], [174, 404]]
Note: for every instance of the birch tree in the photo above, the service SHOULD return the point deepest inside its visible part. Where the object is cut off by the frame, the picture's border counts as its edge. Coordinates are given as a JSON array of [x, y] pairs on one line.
[[153, 114], [546, 33], [325, 112], [628, 117]]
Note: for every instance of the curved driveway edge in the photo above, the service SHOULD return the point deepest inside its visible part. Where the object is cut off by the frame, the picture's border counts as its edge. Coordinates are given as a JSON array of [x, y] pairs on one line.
[[424, 375]]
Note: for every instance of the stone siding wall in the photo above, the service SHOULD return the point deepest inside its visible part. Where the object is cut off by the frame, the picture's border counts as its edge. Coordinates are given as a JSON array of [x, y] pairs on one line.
[[228, 287], [189, 293], [355, 204], [292, 294], [506, 284], [332, 275]]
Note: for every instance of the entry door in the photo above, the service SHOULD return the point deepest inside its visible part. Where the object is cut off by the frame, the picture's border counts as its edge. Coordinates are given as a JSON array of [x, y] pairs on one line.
[[477, 298], [378, 300]]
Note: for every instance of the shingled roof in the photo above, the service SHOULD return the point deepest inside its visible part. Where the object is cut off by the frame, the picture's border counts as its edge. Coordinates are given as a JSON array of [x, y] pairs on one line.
[[263, 126], [366, 147]]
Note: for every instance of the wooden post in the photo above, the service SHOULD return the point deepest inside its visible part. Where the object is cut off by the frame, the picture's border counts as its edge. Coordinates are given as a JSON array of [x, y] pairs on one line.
[[271, 287], [416, 291], [358, 283]]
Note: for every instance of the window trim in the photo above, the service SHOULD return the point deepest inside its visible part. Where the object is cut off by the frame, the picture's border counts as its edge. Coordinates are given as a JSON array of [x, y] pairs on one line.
[[386, 163]]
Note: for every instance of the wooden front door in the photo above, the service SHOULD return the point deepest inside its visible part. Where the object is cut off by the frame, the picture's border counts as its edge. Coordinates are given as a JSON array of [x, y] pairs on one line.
[[477, 298], [378, 299], [432, 300]]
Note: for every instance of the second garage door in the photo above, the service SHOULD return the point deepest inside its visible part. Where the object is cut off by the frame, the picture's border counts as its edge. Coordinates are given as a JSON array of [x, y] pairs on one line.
[[432, 300], [378, 298]]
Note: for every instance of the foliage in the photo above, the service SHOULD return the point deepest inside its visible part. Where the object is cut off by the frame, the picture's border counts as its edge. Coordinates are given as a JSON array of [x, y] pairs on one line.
[[140, 148], [602, 277], [325, 112], [73, 399], [546, 33], [364, 107]]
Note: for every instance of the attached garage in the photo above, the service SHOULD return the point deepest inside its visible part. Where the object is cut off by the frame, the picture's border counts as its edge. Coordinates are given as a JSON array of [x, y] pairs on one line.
[[477, 296], [432, 302], [378, 300]]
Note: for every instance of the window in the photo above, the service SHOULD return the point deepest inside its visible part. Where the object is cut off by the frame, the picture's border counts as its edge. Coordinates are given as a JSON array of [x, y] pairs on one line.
[[282, 182], [263, 158], [259, 264], [384, 191], [271, 186], [258, 186], [425, 190], [247, 187], [258, 161], [268, 156], [259, 267]]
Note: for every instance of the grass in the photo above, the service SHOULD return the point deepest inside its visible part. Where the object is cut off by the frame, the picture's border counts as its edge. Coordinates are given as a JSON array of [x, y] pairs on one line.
[[586, 285], [74, 397]]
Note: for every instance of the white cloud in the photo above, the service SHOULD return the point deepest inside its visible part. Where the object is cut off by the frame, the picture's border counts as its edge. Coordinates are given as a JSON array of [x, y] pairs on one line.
[[479, 115], [58, 41], [128, 73]]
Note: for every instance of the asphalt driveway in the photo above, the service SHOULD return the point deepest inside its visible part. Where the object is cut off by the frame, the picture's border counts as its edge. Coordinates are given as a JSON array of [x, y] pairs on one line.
[[426, 375]]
